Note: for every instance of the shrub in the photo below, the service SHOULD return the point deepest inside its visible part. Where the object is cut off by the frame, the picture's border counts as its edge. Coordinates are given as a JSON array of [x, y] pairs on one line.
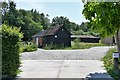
[[76, 40], [54, 46], [48, 47], [10, 50], [29, 47], [76, 46]]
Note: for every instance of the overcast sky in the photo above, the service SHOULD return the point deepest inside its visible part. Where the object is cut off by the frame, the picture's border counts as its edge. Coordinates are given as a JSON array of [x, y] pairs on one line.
[[68, 8]]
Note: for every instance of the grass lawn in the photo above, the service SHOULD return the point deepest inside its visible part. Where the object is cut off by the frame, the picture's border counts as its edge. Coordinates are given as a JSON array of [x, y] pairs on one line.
[[82, 45], [75, 45]]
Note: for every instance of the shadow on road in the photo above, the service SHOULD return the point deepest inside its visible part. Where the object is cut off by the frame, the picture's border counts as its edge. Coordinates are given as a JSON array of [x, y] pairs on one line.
[[99, 76]]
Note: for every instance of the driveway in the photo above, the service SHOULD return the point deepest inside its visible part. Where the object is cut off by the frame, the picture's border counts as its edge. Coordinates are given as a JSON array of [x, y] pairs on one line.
[[95, 53], [64, 63]]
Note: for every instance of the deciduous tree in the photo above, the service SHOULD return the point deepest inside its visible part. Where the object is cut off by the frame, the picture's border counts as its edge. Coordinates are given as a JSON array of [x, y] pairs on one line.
[[105, 18]]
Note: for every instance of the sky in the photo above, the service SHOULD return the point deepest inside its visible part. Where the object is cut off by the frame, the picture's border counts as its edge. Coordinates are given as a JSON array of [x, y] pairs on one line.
[[71, 9]]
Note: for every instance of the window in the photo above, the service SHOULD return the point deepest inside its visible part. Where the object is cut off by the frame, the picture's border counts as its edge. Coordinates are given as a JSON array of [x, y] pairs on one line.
[[55, 36]]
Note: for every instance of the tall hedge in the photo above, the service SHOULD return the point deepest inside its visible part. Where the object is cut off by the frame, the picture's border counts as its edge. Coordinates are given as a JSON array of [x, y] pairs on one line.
[[11, 37]]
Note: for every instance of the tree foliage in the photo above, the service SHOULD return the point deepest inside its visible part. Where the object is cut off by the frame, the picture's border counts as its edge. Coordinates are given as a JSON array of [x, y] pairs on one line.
[[30, 21], [61, 21], [104, 18], [83, 29]]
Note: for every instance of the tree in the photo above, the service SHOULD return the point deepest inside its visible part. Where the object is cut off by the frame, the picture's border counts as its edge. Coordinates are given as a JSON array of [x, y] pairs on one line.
[[61, 21], [30, 21], [9, 13], [105, 18], [74, 26], [84, 26], [4, 7], [45, 22]]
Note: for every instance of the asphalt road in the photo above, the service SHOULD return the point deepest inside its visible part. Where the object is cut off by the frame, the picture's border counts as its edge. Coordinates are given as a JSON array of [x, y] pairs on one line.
[[62, 69]]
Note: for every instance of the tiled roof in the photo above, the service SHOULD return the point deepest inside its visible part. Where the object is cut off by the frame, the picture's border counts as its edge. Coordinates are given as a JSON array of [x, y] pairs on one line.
[[51, 31], [41, 33]]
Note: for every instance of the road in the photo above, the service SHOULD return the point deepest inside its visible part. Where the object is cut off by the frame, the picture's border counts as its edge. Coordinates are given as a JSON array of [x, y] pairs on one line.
[[95, 53], [64, 63]]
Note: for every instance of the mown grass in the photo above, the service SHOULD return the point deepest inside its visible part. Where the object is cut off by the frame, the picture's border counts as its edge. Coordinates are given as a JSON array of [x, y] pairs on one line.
[[75, 45], [82, 45], [109, 64]]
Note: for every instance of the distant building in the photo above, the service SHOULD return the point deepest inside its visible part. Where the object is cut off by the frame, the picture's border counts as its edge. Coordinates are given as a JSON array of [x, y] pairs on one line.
[[108, 40], [86, 38], [54, 35]]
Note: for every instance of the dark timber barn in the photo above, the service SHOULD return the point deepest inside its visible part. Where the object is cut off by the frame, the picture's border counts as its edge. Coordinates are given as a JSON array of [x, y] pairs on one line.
[[54, 35], [86, 38]]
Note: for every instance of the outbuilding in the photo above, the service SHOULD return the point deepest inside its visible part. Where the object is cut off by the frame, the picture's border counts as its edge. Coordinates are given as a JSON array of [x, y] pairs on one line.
[[54, 35], [86, 38]]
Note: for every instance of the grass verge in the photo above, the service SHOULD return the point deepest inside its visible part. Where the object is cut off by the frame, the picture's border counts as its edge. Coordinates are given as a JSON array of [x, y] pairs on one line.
[[109, 65]]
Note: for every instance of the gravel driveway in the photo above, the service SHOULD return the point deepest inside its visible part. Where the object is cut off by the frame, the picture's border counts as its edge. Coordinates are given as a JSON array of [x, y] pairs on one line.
[[95, 53]]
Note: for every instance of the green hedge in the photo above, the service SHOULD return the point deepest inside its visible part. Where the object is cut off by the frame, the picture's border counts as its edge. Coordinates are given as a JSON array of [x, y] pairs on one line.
[[11, 37]]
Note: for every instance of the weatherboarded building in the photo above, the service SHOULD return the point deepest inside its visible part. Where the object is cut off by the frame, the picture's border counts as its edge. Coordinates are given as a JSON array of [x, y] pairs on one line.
[[86, 38], [54, 35]]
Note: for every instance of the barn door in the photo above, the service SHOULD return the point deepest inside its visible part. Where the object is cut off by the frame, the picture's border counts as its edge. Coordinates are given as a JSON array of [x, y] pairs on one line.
[[40, 41]]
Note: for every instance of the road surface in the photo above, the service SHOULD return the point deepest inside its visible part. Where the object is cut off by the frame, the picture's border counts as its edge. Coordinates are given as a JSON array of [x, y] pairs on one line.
[[64, 63]]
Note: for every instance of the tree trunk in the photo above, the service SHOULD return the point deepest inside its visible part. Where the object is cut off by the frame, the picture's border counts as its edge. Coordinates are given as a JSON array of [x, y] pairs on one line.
[[118, 40], [116, 62]]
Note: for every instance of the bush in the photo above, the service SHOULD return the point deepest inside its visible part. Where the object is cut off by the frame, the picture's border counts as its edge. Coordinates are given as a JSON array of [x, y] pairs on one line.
[[76, 40], [10, 50], [108, 63], [48, 47], [29, 47], [54, 46], [81, 45]]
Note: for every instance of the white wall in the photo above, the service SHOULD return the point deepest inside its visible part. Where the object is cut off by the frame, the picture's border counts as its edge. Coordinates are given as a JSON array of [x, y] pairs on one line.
[[36, 40]]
